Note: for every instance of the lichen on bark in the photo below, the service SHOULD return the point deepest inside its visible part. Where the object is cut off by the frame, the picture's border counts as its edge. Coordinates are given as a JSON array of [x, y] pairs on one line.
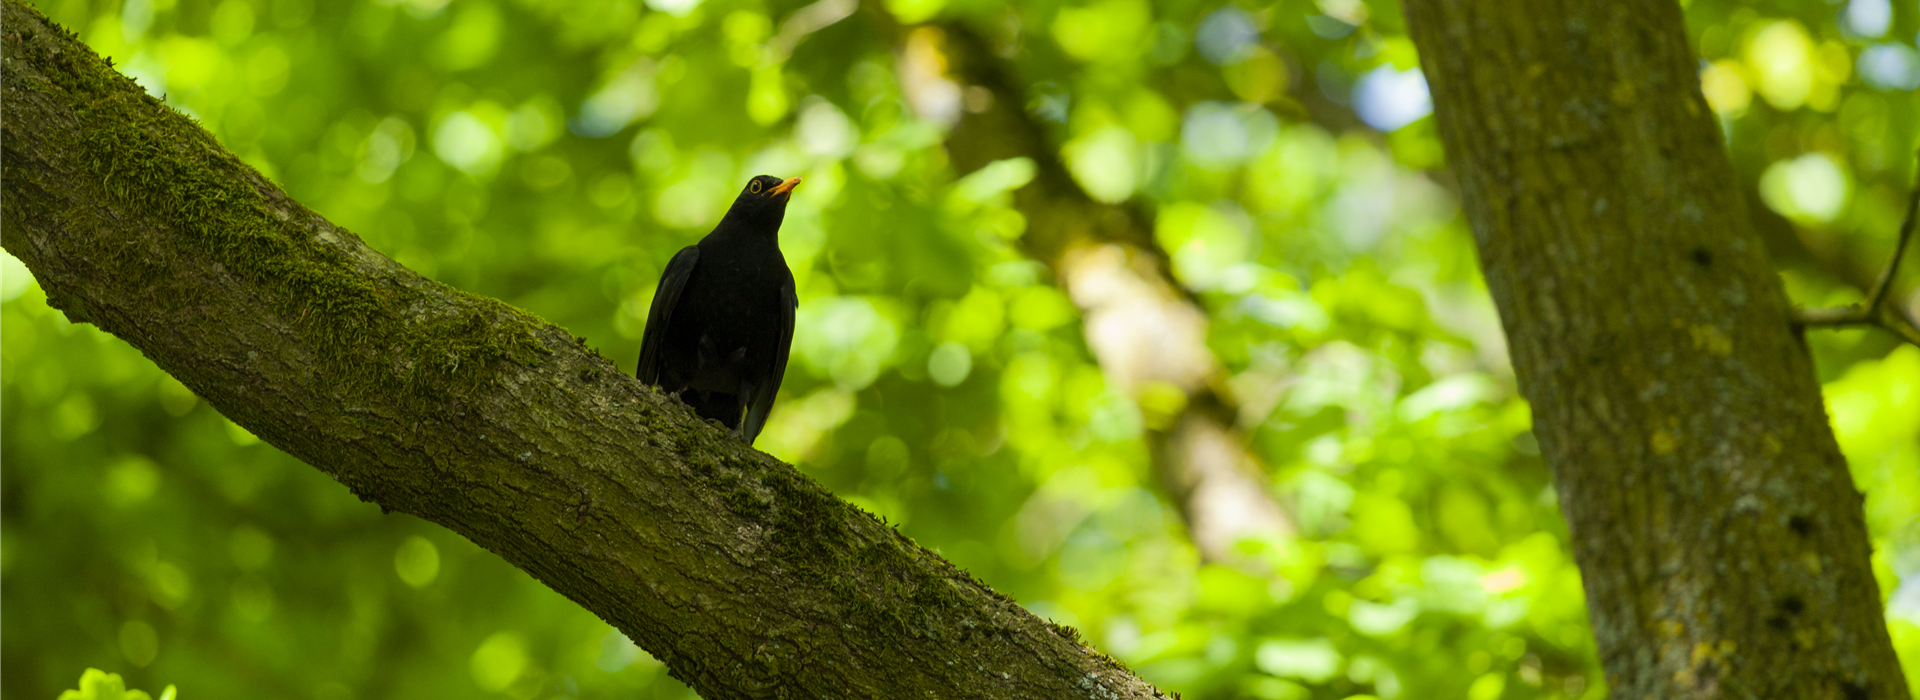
[[1720, 538], [745, 577]]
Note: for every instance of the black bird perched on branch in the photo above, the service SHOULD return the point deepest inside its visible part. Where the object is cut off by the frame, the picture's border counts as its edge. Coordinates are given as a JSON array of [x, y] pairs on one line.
[[722, 319]]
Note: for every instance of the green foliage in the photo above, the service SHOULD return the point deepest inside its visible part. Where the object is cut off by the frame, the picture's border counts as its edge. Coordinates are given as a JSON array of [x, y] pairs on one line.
[[554, 154], [96, 684]]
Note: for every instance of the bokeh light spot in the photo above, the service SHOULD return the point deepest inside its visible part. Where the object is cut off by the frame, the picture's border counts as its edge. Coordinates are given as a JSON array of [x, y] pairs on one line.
[[498, 661], [463, 141], [949, 364], [1227, 36], [1868, 18], [15, 278], [1725, 88], [1781, 58], [1890, 67], [139, 643], [1220, 135], [1811, 188], [1387, 98], [417, 561]]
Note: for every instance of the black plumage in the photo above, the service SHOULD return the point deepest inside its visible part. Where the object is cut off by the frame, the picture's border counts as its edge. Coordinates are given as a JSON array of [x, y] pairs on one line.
[[722, 319]]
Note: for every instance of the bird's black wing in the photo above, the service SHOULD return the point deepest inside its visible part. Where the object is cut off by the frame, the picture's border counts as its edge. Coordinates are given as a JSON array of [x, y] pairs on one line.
[[665, 298], [763, 395]]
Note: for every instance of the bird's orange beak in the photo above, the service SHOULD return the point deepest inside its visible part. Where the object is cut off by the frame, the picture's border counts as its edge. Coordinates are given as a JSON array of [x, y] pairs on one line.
[[785, 186]]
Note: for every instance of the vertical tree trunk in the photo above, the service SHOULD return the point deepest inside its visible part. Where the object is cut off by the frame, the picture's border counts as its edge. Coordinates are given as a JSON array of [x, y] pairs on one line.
[[1720, 537]]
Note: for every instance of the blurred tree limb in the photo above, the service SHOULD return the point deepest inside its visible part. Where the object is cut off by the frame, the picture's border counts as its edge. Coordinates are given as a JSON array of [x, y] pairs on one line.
[[1875, 310], [1720, 537], [1147, 331], [746, 578]]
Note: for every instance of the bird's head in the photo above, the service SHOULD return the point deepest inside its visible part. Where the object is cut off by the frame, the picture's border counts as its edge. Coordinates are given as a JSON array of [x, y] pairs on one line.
[[763, 203]]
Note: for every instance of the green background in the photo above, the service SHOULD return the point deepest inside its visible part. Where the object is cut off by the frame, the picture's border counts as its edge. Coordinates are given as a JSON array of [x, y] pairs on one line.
[[555, 154]]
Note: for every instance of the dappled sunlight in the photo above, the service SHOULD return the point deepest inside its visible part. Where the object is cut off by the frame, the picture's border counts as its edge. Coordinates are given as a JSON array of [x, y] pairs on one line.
[[998, 386]]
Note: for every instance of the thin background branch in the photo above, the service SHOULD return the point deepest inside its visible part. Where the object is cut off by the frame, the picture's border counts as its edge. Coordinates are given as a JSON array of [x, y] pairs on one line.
[[1875, 311]]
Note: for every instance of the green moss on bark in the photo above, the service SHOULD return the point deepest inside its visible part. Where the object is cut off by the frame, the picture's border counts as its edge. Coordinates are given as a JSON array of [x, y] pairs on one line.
[[153, 158], [470, 414]]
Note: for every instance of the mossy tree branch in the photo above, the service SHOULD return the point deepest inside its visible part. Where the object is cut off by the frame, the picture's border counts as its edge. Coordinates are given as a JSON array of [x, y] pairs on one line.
[[746, 578]]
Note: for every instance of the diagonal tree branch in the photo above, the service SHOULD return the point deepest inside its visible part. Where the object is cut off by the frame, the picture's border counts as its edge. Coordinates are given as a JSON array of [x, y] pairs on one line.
[[1874, 310], [1885, 284], [746, 578]]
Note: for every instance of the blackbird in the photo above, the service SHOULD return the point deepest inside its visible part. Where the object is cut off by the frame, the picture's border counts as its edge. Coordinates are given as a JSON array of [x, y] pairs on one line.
[[722, 319]]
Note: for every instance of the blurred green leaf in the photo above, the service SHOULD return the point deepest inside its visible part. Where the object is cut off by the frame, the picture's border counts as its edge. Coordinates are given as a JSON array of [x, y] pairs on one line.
[[555, 155]]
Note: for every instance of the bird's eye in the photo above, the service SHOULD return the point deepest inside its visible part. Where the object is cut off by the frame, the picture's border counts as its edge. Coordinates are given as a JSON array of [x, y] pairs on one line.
[[753, 186]]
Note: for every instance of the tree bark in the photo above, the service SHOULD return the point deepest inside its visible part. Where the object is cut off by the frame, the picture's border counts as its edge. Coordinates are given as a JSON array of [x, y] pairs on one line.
[[746, 578], [1147, 332], [1720, 538]]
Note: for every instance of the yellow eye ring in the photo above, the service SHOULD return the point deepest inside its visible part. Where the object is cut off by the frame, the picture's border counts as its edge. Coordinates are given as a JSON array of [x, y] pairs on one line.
[[753, 186]]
